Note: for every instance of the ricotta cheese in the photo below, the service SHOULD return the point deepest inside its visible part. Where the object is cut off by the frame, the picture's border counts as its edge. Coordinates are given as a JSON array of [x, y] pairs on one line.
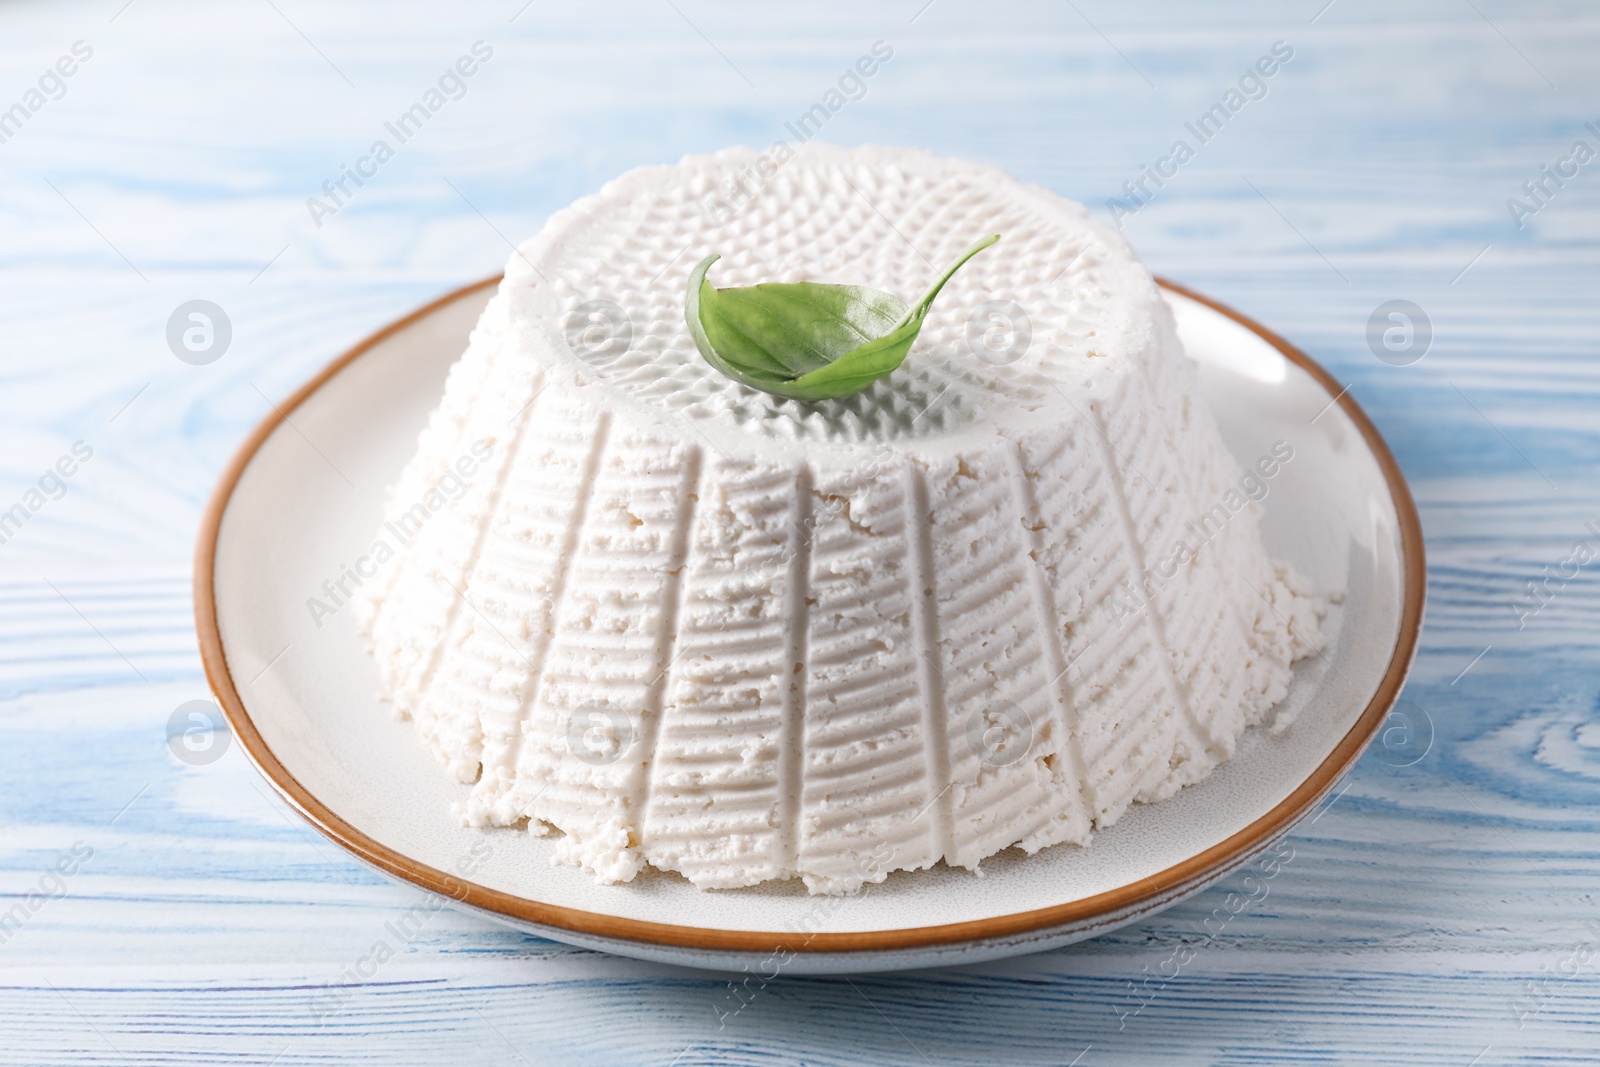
[[693, 626]]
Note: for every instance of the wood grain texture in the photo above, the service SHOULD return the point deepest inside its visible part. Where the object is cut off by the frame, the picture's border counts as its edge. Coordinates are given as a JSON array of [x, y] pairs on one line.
[[1439, 913]]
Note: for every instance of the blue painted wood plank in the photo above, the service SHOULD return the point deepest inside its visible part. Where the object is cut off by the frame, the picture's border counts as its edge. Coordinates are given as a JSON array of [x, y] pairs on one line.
[[1442, 912]]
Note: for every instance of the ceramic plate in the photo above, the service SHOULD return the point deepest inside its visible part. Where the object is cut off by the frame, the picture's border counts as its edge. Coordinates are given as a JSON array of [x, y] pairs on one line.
[[303, 497]]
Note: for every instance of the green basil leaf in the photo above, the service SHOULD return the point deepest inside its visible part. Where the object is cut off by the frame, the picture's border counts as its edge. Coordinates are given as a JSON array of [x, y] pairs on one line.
[[806, 340], [857, 368]]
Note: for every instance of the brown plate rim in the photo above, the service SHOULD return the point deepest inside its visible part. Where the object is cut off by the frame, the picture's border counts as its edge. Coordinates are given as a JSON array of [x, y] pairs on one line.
[[1193, 872]]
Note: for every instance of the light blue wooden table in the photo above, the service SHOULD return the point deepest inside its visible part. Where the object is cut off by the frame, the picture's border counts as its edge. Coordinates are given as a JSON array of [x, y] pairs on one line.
[[1441, 912]]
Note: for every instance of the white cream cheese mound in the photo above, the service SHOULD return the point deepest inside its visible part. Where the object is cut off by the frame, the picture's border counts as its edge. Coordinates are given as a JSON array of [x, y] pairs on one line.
[[687, 624]]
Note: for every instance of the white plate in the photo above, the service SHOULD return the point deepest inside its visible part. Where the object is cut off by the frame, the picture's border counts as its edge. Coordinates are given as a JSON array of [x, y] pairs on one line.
[[304, 495]]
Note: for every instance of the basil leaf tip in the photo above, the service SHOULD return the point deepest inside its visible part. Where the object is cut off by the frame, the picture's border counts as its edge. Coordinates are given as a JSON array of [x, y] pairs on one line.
[[806, 340]]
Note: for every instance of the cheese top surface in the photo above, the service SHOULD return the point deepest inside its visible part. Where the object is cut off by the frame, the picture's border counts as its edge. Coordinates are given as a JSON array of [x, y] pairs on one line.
[[1016, 325], [990, 602]]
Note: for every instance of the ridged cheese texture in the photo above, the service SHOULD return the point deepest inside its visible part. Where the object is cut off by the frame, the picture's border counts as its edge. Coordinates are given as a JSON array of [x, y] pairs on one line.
[[689, 625]]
